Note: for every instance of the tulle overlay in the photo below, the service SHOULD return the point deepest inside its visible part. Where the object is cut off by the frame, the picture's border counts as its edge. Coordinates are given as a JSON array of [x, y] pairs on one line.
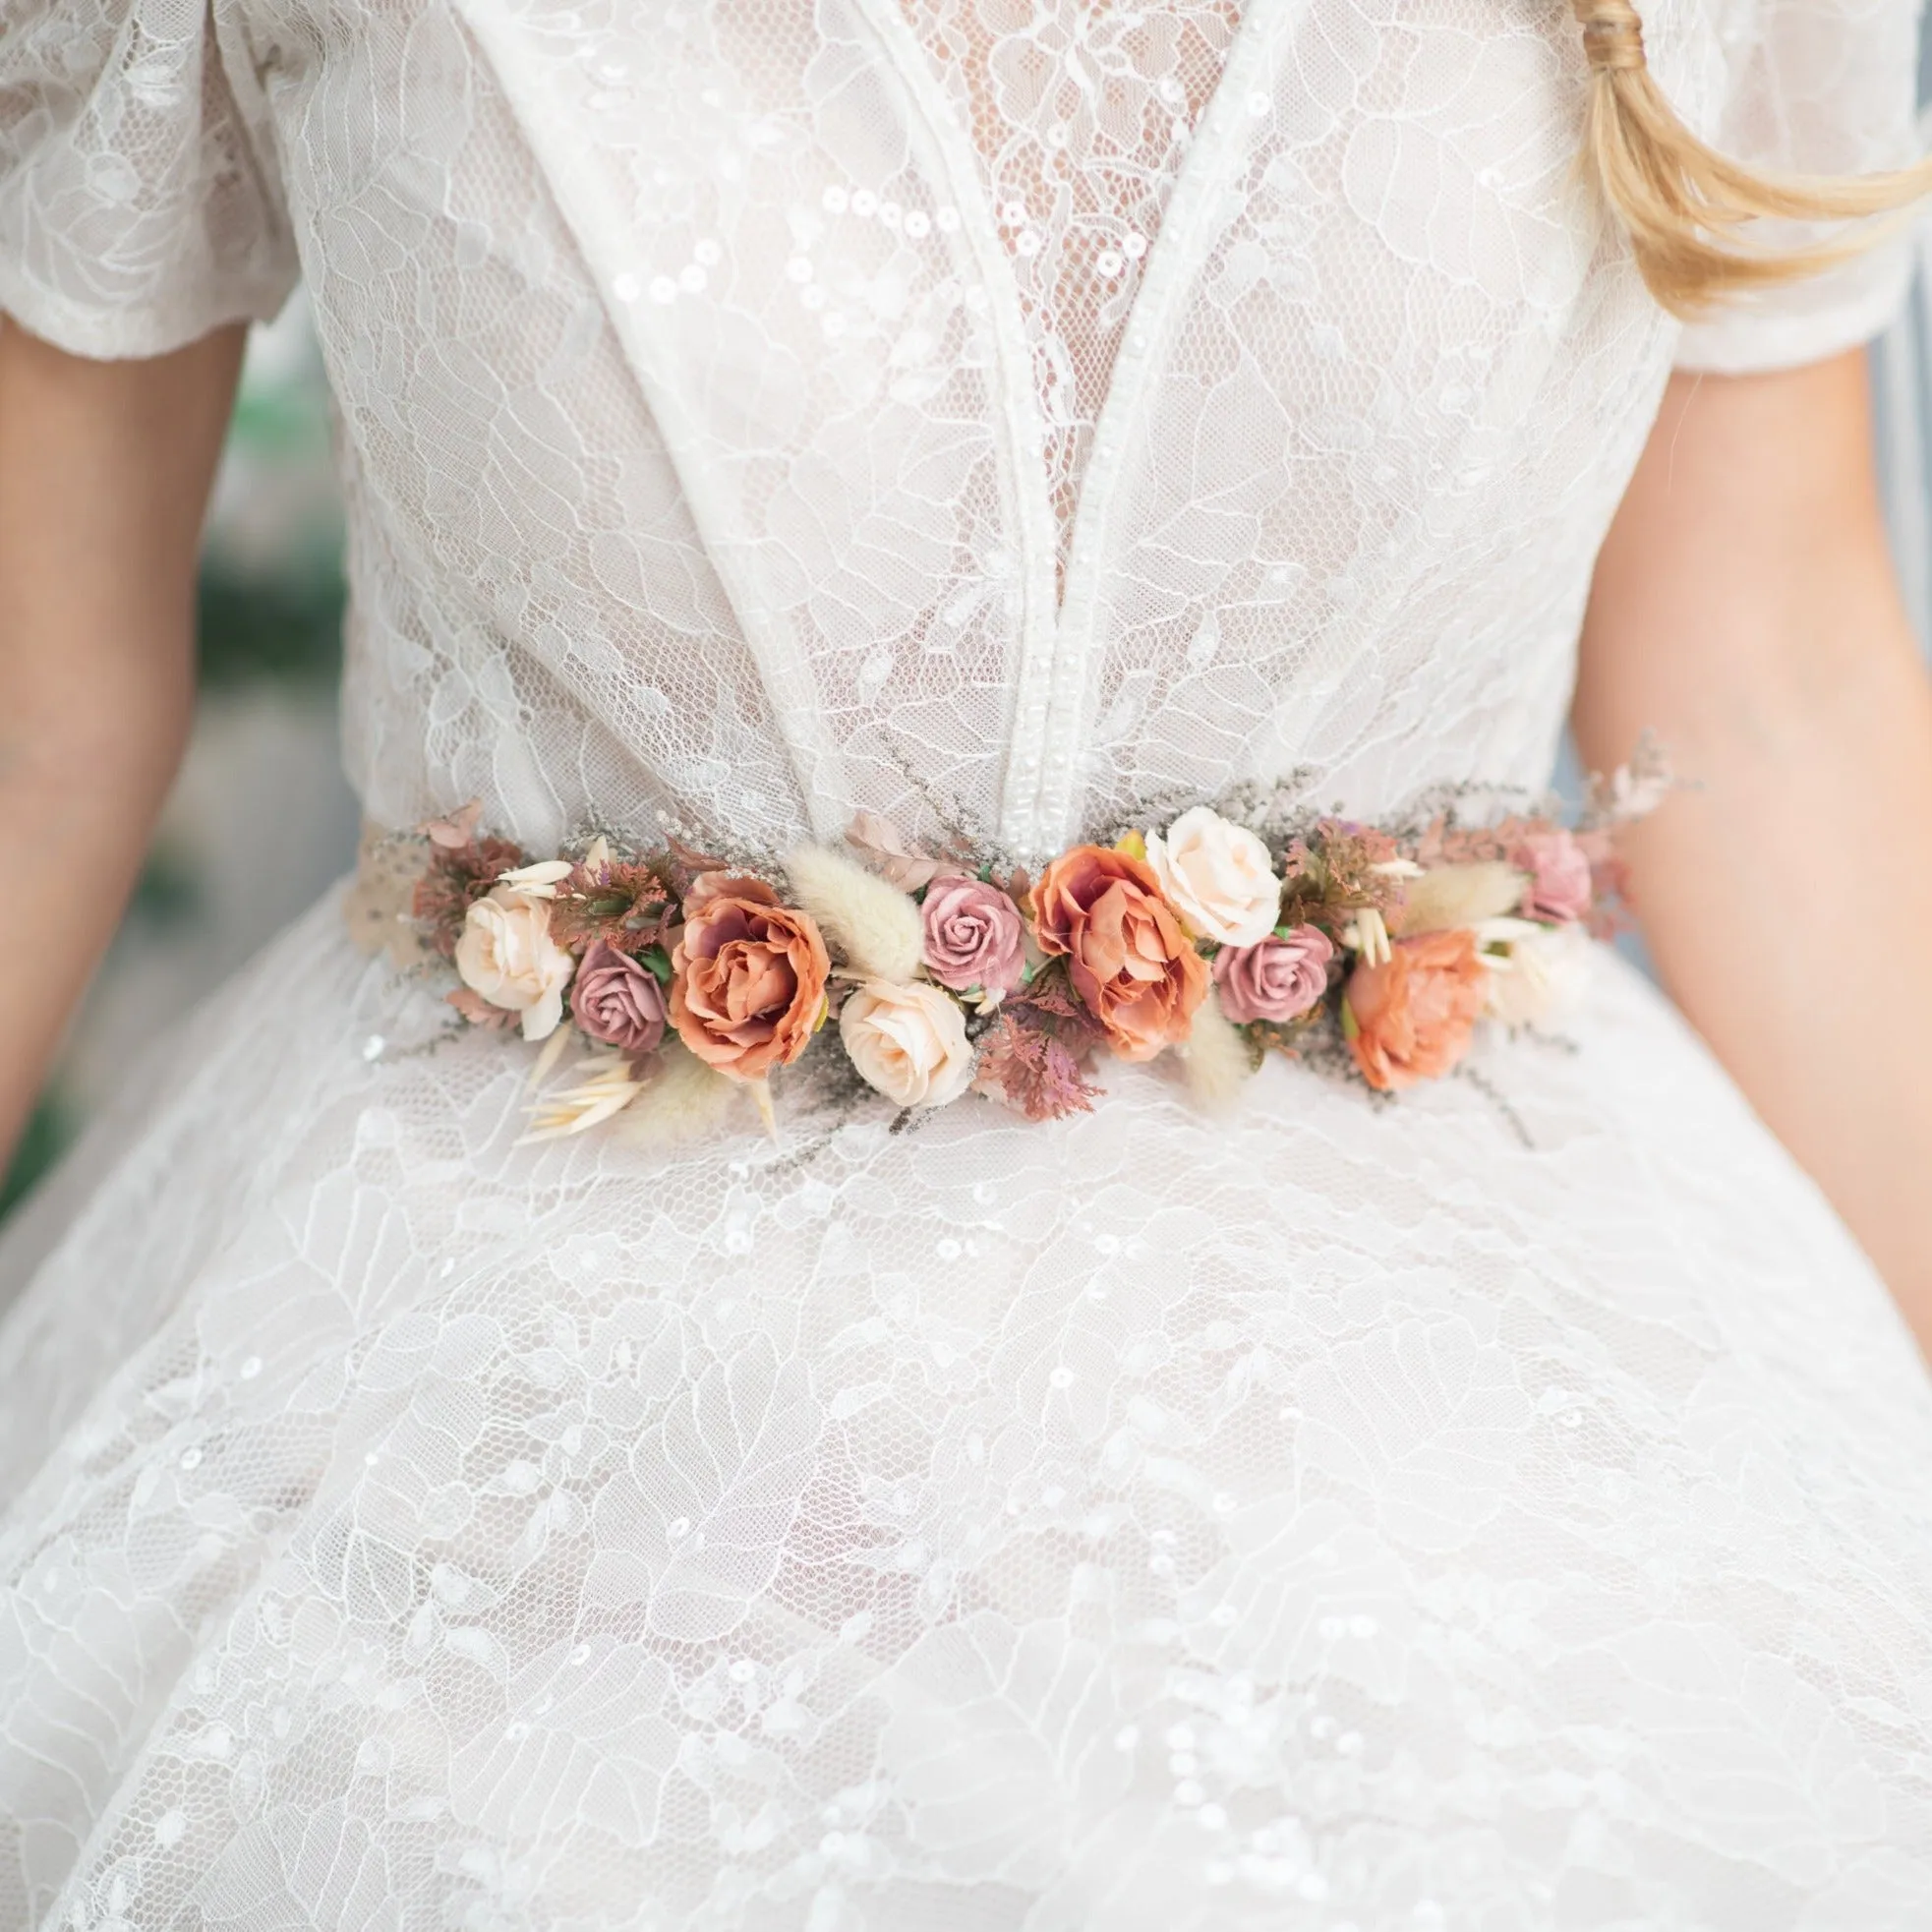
[[1328, 1513]]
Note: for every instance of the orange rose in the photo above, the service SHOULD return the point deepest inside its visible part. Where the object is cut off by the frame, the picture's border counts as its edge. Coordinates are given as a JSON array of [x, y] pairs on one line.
[[1410, 1019], [1129, 960], [748, 987]]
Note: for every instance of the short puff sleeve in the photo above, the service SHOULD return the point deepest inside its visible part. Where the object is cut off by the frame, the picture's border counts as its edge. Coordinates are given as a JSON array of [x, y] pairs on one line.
[[140, 203], [1821, 86]]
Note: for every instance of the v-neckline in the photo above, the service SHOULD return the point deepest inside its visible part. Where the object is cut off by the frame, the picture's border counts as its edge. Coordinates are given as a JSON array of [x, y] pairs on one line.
[[1080, 114], [1058, 620]]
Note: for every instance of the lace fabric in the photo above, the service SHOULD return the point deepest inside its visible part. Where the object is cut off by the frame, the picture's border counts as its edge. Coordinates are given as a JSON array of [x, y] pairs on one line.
[[1082, 115], [1506, 1510]]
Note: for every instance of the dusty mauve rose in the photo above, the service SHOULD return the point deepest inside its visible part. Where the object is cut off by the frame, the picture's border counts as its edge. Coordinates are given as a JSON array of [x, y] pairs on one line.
[[974, 936], [1275, 979], [909, 1042], [505, 953], [616, 1001], [1559, 877], [1128, 959], [1410, 1018], [749, 977]]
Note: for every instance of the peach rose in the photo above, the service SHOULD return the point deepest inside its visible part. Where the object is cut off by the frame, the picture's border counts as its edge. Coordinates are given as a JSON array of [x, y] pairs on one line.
[[748, 988], [507, 956], [1130, 961], [1537, 973], [1410, 1018], [1219, 876], [909, 1042]]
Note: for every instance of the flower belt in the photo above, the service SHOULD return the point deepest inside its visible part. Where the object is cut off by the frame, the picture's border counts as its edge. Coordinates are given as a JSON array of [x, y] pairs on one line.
[[1230, 932]]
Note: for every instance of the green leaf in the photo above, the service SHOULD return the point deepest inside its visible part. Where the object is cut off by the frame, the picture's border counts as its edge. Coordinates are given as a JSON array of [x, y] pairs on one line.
[[658, 962]]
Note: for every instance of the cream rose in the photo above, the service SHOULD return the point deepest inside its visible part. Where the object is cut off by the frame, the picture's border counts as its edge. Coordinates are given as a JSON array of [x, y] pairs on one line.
[[1537, 973], [908, 1041], [1217, 876], [505, 953]]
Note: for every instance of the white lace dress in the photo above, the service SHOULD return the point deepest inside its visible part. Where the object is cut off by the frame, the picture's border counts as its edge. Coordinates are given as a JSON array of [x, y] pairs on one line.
[[1329, 1516]]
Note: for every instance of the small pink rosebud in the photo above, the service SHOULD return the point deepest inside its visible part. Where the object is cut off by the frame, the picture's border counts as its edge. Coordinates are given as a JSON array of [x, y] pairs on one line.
[[1559, 877]]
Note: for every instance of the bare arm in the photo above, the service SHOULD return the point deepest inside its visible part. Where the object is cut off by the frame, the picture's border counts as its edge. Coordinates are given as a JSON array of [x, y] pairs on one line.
[[1744, 607], [104, 476]]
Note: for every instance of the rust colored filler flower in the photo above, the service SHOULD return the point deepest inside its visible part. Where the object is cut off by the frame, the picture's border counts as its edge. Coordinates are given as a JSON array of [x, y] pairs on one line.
[[456, 877], [749, 977], [1129, 961]]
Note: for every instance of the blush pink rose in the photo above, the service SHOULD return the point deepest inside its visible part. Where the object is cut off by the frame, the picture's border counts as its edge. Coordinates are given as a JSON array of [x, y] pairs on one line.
[[1411, 1017], [974, 936], [617, 1002], [1559, 877], [1274, 979]]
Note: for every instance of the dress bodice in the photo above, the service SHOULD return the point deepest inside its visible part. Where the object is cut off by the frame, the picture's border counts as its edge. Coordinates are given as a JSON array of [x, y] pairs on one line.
[[1009, 416], [1507, 1507]]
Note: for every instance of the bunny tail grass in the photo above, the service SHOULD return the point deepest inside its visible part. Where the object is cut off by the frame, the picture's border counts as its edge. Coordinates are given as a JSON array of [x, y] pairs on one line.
[[684, 1101], [1458, 896], [874, 926], [1216, 1057]]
